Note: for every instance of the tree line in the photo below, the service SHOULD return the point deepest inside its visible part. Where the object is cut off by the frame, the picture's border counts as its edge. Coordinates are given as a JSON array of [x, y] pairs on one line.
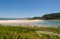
[[53, 16]]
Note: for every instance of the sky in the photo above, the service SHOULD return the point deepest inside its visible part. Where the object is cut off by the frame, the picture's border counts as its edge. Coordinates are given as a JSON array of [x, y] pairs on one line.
[[28, 8]]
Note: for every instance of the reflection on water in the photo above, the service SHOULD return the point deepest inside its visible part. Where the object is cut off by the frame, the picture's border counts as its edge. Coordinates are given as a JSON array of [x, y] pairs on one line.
[[52, 23]]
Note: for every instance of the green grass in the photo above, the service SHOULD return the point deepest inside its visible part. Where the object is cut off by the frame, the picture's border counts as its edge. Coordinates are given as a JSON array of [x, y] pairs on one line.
[[26, 32]]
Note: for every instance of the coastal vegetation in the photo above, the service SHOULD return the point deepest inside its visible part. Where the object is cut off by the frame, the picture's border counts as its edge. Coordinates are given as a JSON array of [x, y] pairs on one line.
[[53, 16], [39, 18], [28, 32]]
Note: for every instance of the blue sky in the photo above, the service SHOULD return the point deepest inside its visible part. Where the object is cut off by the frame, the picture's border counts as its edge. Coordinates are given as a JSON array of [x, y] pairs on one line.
[[28, 8]]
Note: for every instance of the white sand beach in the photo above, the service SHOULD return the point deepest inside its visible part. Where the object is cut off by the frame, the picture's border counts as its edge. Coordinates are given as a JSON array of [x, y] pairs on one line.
[[18, 21]]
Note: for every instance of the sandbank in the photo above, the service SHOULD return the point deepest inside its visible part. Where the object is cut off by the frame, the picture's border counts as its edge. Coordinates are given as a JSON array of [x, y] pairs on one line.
[[18, 21]]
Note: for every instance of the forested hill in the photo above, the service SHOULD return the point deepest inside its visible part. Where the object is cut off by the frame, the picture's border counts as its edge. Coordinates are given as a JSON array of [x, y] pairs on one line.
[[51, 16]]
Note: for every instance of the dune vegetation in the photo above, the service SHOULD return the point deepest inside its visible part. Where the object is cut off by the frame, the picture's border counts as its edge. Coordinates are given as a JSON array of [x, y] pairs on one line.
[[28, 32]]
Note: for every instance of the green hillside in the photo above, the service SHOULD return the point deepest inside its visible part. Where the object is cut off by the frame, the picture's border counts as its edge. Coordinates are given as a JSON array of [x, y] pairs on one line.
[[52, 16]]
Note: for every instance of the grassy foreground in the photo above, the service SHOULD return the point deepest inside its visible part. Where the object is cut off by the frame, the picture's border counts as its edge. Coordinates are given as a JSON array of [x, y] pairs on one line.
[[27, 32]]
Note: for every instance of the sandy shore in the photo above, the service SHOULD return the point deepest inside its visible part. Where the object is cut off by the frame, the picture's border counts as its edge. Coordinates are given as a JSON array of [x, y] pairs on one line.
[[18, 21]]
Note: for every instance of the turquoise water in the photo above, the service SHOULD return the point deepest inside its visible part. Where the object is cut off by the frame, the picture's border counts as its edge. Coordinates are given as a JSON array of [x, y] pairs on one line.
[[48, 23], [52, 23]]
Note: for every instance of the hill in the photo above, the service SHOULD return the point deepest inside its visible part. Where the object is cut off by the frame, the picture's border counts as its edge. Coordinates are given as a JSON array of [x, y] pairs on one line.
[[53, 16]]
